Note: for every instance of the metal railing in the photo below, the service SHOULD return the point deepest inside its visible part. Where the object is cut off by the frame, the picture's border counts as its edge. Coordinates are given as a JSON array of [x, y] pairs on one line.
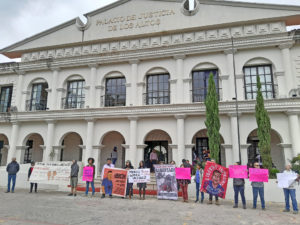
[[31, 105], [73, 103], [156, 97], [113, 100]]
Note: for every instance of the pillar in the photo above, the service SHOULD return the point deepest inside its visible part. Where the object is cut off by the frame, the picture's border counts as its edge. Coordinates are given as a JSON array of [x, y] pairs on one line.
[[228, 154], [287, 151], [140, 154], [132, 140], [134, 78], [244, 153], [54, 101], [179, 76], [175, 156], [19, 88], [49, 140], [180, 136], [234, 137], [294, 132], [13, 141], [92, 91], [89, 139], [189, 152], [230, 70]]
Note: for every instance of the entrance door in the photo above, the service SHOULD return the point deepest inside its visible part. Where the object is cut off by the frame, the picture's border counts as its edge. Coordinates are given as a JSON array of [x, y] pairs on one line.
[[253, 152], [202, 151], [28, 152], [161, 148]]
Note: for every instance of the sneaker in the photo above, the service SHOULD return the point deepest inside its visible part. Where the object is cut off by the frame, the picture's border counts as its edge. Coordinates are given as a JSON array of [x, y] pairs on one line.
[[263, 209], [217, 202], [7, 192], [201, 202], [70, 194], [286, 210], [75, 195], [196, 201], [295, 212], [244, 207], [209, 202], [235, 206], [103, 196]]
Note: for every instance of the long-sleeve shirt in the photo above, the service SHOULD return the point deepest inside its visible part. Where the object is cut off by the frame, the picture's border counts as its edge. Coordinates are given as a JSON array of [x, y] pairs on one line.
[[153, 156], [106, 166]]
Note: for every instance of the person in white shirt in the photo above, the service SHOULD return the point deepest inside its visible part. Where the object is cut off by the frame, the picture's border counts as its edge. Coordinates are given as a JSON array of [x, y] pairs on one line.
[[153, 159], [107, 165], [114, 155], [290, 191]]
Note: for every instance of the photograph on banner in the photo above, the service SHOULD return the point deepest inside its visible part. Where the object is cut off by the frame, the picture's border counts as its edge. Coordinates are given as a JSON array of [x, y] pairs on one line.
[[183, 173], [139, 176], [258, 175], [237, 171], [88, 173], [285, 179], [166, 182], [51, 173], [118, 178], [215, 179]]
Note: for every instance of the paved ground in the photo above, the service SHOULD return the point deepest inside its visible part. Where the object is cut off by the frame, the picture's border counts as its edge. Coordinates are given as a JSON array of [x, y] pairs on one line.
[[53, 208]]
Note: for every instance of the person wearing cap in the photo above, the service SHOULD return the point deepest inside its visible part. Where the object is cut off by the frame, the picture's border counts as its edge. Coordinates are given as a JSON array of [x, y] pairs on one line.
[[114, 155], [29, 175]]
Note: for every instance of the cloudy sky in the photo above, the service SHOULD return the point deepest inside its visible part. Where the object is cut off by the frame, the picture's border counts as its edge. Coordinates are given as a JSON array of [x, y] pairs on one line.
[[24, 18]]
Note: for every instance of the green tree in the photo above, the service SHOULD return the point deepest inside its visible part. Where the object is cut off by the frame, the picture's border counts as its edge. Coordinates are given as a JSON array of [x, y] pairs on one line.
[[212, 122], [263, 128]]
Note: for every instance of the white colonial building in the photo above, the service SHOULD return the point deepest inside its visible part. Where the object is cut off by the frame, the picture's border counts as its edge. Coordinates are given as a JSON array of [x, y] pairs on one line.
[[135, 76]]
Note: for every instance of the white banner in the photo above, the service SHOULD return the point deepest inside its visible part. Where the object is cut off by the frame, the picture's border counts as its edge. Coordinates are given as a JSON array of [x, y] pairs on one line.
[[139, 176], [285, 179], [51, 173]]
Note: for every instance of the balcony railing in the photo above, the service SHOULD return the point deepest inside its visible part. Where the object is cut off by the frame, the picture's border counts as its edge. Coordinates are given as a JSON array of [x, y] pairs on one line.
[[31, 105], [113, 100], [73, 103], [157, 97]]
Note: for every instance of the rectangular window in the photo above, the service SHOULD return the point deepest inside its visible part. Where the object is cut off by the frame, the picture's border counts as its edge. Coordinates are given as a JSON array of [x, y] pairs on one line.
[[75, 95], [39, 96], [266, 78], [200, 84], [5, 98], [158, 89], [115, 92]]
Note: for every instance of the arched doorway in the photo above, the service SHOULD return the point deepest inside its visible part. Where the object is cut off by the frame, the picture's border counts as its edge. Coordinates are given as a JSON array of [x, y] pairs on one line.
[[72, 149], [201, 150], [277, 153], [3, 150], [158, 140], [109, 141], [33, 150]]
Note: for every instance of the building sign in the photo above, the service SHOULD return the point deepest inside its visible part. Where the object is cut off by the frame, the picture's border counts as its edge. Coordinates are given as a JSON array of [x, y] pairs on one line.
[[135, 21]]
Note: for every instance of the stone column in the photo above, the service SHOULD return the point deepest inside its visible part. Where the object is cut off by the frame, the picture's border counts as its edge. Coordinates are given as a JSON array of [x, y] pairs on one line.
[[49, 140], [228, 154], [140, 154], [188, 152], [187, 89], [175, 156], [54, 101], [294, 132], [288, 152], [13, 141], [92, 91], [140, 93], [19, 88], [134, 79], [290, 78], [132, 140], [230, 88], [180, 136], [234, 137], [244, 153], [224, 92], [179, 76], [173, 91], [20, 153], [89, 139]]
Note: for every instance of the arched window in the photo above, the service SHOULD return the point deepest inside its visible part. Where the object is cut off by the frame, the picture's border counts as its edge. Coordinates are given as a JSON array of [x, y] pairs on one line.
[[5, 98], [115, 91], [38, 100], [75, 94], [158, 89]]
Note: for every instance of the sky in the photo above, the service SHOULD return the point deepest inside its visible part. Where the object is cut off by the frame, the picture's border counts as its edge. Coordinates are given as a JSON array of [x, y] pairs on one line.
[[24, 18]]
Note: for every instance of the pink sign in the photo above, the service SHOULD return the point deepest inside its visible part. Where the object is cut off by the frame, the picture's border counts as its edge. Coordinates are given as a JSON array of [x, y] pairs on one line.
[[258, 175], [237, 171], [88, 174], [183, 173]]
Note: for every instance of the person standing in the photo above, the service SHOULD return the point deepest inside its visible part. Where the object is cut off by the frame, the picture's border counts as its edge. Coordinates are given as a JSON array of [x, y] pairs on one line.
[[142, 186], [114, 155], [258, 188], [290, 192], [198, 181], [90, 164], [129, 189], [108, 165], [12, 169], [184, 183], [239, 187], [153, 159], [74, 178], [29, 175]]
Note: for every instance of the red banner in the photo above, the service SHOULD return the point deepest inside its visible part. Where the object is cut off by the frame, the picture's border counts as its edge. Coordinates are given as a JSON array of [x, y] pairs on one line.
[[215, 180], [119, 180]]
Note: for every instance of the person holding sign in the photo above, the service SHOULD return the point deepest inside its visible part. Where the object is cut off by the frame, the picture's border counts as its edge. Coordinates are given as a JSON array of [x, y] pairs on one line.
[[29, 174], [258, 188], [107, 185], [129, 190], [184, 183], [290, 191], [198, 181], [239, 187], [90, 164], [142, 185]]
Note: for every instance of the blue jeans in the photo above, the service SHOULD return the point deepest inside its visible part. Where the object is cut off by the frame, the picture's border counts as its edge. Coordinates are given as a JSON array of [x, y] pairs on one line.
[[237, 190], [114, 161], [260, 191], [13, 179], [88, 187], [197, 192], [287, 194]]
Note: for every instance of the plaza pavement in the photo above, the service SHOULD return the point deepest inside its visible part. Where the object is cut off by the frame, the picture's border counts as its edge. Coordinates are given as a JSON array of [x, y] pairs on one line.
[[56, 208]]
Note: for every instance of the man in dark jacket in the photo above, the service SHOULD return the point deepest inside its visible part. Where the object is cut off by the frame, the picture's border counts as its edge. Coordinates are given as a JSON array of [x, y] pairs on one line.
[[74, 178], [12, 169]]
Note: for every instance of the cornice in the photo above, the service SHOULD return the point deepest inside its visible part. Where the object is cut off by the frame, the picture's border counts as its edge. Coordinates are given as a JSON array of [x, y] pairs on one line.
[[286, 45]]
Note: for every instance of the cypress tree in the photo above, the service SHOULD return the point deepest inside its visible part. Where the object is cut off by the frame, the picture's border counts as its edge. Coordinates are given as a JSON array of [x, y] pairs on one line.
[[212, 122], [263, 128]]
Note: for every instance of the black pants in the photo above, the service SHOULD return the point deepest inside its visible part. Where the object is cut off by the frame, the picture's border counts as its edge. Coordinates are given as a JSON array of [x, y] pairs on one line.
[[152, 165], [211, 197], [35, 187]]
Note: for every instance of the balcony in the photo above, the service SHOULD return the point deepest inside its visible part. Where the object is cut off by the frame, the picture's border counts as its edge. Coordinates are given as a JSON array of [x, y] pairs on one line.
[[113, 100], [32, 105], [157, 98], [73, 103]]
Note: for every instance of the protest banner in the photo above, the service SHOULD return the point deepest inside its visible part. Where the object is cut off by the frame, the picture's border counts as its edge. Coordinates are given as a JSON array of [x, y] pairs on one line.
[[88, 173], [183, 173], [285, 179], [139, 176], [237, 171], [215, 180], [119, 180], [258, 175], [51, 173], [166, 182]]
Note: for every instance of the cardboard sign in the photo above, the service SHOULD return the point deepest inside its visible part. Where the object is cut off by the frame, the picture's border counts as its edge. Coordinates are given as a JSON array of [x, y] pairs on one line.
[[258, 175], [88, 173], [286, 179], [139, 176], [119, 181], [215, 180], [237, 171], [166, 182], [57, 173], [183, 173]]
